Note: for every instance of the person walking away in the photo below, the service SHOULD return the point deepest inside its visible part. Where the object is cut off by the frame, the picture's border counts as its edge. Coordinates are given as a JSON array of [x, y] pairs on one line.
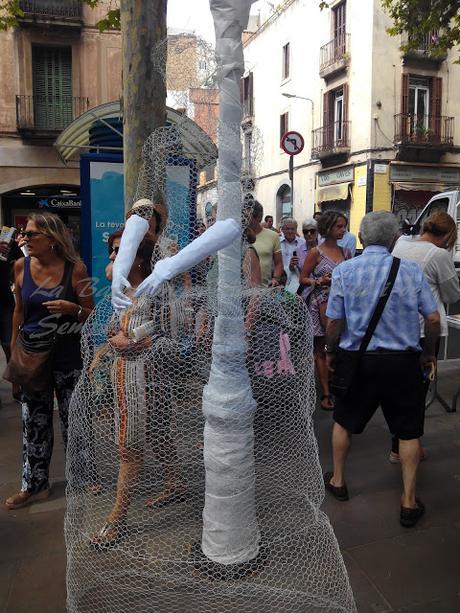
[[431, 251], [53, 299], [268, 248], [389, 374], [316, 272]]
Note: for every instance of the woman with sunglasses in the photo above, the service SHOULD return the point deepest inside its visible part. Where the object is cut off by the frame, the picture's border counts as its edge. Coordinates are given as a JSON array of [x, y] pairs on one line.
[[53, 299]]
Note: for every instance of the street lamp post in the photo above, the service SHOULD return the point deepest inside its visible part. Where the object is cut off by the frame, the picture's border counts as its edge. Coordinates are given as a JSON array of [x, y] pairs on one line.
[[286, 95]]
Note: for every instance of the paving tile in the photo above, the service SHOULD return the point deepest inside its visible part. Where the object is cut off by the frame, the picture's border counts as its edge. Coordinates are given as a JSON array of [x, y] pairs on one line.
[[23, 535], [367, 597], [447, 605], [39, 585], [7, 572], [418, 567]]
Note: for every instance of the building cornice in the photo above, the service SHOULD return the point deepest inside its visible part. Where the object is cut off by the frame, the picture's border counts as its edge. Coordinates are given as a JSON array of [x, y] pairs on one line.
[[278, 11]]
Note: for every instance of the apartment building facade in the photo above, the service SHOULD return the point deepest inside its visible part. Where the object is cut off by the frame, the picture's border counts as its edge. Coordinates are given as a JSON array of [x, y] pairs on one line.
[[55, 66], [379, 124]]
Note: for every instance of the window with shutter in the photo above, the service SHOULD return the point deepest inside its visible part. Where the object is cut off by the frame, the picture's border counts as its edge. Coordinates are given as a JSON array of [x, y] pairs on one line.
[[52, 86]]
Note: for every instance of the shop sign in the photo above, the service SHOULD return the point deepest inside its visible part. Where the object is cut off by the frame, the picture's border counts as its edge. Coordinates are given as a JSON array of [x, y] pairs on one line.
[[341, 175], [53, 202], [380, 169], [424, 173], [362, 181]]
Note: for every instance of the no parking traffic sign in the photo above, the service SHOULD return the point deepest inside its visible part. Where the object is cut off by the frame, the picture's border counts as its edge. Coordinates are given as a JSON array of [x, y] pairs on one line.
[[292, 143]]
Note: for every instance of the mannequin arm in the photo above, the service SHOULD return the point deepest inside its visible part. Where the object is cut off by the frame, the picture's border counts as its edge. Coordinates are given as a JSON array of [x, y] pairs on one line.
[[215, 238], [135, 229]]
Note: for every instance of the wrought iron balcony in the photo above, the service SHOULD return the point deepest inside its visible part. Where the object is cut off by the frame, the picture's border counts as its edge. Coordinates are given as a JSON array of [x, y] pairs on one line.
[[330, 140], [47, 115], [425, 53], [62, 12], [334, 56], [431, 131]]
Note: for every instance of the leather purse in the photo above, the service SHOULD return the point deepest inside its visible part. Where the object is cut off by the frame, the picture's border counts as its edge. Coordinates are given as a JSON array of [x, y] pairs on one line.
[[30, 364], [346, 362]]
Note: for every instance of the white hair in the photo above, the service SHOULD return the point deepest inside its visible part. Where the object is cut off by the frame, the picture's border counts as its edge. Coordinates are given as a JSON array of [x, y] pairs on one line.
[[288, 220], [309, 222], [379, 228]]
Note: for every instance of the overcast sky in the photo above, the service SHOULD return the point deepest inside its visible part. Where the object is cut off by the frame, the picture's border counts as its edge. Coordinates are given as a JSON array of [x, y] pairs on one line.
[[195, 15]]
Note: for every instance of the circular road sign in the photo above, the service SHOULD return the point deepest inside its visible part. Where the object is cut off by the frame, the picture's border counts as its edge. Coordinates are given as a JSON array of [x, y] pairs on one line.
[[292, 143]]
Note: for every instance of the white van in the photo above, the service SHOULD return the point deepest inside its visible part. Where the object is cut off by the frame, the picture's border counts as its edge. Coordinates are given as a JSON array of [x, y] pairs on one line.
[[449, 202]]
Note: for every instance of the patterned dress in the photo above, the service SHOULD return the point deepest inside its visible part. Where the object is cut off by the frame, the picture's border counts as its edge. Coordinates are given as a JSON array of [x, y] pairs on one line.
[[320, 295]]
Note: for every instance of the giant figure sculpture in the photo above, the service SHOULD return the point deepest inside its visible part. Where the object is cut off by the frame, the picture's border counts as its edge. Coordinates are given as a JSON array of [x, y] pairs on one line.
[[247, 533]]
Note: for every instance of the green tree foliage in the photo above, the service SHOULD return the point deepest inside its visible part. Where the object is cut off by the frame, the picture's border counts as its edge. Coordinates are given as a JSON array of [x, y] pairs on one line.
[[10, 12], [437, 21]]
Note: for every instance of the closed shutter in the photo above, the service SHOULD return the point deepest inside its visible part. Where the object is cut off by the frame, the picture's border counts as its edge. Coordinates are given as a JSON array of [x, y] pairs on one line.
[[345, 130], [251, 94], [52, 83], [436, 107], [404, 127], [327, 124]]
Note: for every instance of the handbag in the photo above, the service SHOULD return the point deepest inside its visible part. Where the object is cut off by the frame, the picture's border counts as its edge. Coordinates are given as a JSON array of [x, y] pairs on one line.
[[30, 364], [346, 362]]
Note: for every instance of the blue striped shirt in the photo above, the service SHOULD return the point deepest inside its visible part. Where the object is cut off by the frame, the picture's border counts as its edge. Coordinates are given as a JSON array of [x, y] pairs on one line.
[[355, 290]]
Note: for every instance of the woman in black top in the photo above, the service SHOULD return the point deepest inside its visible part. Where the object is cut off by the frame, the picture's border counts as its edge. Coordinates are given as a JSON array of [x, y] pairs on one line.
[[53, 299]]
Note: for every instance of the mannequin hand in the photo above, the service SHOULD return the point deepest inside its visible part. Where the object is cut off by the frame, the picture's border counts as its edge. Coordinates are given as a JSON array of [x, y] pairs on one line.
[[119, 300], [151, 285]]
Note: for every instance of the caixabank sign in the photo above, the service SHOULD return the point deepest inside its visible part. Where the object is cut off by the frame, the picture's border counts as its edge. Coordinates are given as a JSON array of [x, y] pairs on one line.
[[59, 202]]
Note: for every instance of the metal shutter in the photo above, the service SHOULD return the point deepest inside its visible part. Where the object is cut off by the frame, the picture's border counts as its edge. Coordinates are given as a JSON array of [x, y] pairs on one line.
[[52, 82]]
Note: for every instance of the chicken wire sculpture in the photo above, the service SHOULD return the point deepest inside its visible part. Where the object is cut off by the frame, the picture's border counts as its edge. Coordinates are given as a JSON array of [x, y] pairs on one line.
[[194, 483]]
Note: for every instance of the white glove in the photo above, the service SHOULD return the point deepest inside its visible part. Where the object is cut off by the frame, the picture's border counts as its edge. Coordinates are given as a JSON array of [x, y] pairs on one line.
[[217, 237], [135, 229]]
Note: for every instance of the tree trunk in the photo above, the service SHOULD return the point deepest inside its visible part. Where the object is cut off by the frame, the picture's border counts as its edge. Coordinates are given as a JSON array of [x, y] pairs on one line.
[[230, 529], [143, 26]]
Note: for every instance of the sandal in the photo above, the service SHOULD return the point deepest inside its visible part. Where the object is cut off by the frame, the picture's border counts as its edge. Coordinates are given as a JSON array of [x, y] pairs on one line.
[[329, 406], [23, 499], [111, 533], [168, 496]]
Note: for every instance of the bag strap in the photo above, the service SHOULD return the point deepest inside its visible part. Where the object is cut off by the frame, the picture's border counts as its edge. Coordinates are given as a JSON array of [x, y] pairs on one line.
[[380, 304]]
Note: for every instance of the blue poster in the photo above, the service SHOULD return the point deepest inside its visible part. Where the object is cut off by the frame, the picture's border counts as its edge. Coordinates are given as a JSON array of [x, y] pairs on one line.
[[103, 208]]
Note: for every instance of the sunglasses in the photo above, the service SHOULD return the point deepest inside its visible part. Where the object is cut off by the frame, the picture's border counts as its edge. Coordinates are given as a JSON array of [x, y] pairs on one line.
[[311, 231], [29, 234]]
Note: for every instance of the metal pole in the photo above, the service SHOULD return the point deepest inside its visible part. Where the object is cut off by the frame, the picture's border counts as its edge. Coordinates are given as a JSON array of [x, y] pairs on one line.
[[291, 178]]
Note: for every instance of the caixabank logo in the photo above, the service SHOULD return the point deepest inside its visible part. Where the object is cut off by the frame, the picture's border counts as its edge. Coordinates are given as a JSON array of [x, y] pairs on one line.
[[55, 202]]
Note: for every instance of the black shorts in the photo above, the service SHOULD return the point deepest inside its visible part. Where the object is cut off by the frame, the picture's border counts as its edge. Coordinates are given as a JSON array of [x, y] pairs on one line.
[[392, 380]]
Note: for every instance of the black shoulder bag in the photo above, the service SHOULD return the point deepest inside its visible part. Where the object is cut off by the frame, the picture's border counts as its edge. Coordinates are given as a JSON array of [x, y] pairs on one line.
[[346, 362]]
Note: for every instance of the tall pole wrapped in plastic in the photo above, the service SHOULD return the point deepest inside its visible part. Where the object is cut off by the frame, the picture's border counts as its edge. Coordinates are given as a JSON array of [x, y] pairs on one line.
[[230, 529]]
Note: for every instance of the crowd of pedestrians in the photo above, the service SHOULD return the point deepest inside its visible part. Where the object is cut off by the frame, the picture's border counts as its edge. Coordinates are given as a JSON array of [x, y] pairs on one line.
[[378, 316]]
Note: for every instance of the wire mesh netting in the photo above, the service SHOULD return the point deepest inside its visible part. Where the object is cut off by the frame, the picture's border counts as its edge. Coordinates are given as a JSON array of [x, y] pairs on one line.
[[135, 466], [194, 483]]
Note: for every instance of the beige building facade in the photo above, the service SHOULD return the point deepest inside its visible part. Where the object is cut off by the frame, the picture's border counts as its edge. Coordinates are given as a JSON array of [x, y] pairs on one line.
[[55, 66], [379, 125]]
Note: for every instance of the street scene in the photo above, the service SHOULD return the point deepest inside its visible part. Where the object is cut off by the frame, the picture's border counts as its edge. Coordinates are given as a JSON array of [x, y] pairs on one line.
[[230, 306]]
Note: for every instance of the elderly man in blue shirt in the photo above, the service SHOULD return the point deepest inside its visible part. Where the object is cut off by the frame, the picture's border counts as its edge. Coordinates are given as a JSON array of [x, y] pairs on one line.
[[390, 372]]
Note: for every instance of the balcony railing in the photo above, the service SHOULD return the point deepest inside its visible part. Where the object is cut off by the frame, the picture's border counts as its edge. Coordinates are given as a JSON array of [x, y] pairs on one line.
[[55, 9], [426, 130], [44, 114], [333, 139], [335, 52], [425, 49]]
